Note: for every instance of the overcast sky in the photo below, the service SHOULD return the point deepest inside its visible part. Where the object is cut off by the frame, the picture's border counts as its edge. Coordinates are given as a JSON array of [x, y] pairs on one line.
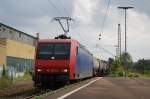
[[35, 16]]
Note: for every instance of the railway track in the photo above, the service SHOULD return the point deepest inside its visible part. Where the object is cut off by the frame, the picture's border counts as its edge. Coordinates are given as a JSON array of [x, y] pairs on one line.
[[30, 93], [33, 92]]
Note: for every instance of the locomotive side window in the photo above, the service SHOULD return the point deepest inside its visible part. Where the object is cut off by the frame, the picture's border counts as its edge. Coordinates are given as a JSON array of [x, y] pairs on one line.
[[76, 50], [58, 51]]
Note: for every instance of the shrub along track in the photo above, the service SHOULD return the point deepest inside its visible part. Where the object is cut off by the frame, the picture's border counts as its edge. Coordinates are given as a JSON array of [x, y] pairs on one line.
[[17, 89], [25, 90]]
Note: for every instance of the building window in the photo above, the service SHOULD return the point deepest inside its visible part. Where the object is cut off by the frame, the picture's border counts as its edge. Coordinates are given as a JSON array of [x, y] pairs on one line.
[[10, 32], [19, 34], [0, 27], [4, 29]]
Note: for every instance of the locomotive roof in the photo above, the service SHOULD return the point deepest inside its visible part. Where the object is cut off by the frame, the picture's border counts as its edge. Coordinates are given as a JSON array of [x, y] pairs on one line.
[[63, 41], [56, 40]]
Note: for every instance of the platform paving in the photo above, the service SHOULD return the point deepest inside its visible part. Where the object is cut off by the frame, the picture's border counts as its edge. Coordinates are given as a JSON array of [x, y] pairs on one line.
[[113, 88]]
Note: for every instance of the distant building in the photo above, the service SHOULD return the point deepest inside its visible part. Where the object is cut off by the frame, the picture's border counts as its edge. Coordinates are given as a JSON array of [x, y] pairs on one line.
[[16, 48]]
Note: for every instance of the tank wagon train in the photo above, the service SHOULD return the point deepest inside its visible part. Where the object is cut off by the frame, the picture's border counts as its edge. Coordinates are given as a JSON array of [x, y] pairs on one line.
[[63, 60]]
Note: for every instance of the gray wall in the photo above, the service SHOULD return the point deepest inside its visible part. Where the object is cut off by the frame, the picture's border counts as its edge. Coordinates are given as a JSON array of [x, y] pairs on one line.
[[13, 34]]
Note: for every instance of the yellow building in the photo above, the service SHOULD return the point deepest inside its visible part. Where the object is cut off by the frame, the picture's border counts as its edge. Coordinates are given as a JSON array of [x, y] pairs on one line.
[[2, 52], [17, 49]]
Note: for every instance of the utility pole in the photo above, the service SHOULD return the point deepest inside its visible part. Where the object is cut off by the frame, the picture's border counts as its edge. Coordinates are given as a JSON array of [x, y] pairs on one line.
[[66, 30], [125, 61]]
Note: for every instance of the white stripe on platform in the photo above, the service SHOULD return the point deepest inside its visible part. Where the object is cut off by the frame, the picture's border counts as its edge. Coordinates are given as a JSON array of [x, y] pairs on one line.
[[66, 95]]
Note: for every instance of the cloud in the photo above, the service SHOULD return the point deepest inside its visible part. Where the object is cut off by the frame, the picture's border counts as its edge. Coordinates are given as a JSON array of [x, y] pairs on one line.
[[137, 25], [34, 16], [86, 13], [83, 10], [138, 35]]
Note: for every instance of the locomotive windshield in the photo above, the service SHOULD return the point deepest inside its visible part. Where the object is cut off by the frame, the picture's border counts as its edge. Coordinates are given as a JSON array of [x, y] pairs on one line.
[[53, 51]]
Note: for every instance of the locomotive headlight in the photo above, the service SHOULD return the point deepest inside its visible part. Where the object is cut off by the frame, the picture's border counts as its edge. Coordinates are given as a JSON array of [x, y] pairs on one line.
[[65, 70], [39, 70]]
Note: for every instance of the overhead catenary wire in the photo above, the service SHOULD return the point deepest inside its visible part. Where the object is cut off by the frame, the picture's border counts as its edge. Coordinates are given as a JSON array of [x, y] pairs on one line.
[[103, 25], [83, 38], [66, 11], [86, 41], [107, 51], [54, 6], [79, 32], [105, 17]]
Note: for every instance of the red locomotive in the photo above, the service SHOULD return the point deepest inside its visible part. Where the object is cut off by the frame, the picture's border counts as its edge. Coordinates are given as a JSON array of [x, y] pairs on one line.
[[63, 60]]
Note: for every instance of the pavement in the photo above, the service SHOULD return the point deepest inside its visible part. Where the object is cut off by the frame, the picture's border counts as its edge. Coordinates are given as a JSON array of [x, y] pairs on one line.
[[109, 88]]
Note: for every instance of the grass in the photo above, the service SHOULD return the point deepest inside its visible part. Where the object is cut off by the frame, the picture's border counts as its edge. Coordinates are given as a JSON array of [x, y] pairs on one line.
[[121, 73], [64, 88], [37, 97], [26, 77], [134, 74], [6, 81], [117, 74]]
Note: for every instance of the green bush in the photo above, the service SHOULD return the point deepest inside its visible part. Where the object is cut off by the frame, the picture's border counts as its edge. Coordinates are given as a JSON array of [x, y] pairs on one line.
[[26, 77], [117, 74], [5, 81], [147, 73], [133, 75], [120, 74]]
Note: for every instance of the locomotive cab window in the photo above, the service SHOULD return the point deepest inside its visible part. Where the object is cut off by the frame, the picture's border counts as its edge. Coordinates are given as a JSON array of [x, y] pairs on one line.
[[62, 51], [55, 51], [44, 51]]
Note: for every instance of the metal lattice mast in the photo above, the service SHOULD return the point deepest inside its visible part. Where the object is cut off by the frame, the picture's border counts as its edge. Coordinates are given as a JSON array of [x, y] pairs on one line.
[[119, 40], [125, 60]]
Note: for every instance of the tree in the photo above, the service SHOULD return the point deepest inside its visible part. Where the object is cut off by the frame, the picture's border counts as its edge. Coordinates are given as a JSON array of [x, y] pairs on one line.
[[142, 65], [126, 57], [110, 64], [4, 71], [118, 67]]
